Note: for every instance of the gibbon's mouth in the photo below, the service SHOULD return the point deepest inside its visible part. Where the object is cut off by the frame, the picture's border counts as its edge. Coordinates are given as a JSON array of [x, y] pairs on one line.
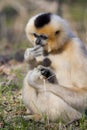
[[41, 42], [40, 39]]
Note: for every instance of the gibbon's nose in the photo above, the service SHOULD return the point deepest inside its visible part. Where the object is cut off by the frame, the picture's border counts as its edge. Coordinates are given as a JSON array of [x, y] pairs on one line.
[[38, 41]]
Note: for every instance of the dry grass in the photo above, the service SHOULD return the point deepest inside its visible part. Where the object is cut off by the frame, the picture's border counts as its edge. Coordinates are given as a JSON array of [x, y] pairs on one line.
[[12, 109]]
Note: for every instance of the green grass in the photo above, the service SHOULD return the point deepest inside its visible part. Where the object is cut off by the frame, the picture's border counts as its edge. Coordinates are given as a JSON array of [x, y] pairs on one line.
[[12, 109], [78, 12]]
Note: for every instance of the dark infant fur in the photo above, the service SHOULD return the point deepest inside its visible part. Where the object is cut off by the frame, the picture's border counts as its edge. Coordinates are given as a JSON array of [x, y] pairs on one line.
[[42, 20], [46, 62], [50, 76]]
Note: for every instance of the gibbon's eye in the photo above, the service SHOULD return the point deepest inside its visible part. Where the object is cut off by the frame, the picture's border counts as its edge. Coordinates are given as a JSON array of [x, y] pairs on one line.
[[57, 32], [44, 37], [35, 35]]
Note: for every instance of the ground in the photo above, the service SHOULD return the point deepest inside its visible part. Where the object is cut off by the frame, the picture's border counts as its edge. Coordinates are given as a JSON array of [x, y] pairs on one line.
[[12, 108]]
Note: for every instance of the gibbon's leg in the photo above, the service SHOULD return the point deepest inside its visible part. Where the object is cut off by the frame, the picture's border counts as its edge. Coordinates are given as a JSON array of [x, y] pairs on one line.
[[30, 55], [75, 97], [27, 93], [62, 108], [67, 109]]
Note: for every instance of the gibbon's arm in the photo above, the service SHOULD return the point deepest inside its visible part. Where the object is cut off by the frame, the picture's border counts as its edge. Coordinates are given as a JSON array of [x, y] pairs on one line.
[[76, 97]]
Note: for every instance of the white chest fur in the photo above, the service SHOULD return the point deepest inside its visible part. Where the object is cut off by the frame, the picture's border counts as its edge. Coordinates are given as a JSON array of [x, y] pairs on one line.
[[62, 68]]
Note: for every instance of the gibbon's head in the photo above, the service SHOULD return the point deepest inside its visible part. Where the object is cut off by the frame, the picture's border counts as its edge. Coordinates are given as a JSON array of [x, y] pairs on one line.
[[48, 30]]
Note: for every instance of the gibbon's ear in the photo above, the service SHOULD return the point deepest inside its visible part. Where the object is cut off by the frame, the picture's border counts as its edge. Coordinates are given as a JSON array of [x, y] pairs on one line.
[[57, 32]]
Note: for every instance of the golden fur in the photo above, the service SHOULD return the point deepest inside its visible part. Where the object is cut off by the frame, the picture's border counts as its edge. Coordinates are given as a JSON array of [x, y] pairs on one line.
[[68, 99]]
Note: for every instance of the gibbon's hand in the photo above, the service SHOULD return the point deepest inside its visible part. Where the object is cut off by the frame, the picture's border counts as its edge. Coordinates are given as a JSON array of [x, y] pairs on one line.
[[48, 74], [31, 53], [35, 74]]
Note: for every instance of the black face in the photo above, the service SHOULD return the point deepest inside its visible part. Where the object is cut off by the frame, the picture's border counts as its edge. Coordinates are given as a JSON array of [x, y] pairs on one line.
[[40, 39]]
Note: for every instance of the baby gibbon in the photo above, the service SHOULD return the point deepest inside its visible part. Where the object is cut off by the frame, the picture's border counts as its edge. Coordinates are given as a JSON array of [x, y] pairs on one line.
[[50, 35]]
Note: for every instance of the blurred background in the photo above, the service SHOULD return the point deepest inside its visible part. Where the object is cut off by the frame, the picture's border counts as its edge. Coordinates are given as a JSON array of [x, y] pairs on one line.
[[14, 15]]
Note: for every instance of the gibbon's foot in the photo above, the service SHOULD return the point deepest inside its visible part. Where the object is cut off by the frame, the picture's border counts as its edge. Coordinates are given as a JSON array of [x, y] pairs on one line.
[[31, 53], [36, 117], [48, 74]]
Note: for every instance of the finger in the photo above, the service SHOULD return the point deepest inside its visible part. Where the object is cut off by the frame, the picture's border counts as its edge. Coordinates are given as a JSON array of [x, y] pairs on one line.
[[36, 47], [39, 52]]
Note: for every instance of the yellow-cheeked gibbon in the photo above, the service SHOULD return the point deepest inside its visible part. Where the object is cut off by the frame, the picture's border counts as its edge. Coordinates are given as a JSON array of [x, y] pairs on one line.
[[64, 94]]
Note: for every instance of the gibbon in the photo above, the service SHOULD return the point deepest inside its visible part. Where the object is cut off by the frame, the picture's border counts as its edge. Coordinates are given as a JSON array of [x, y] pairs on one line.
[[66, 99]]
